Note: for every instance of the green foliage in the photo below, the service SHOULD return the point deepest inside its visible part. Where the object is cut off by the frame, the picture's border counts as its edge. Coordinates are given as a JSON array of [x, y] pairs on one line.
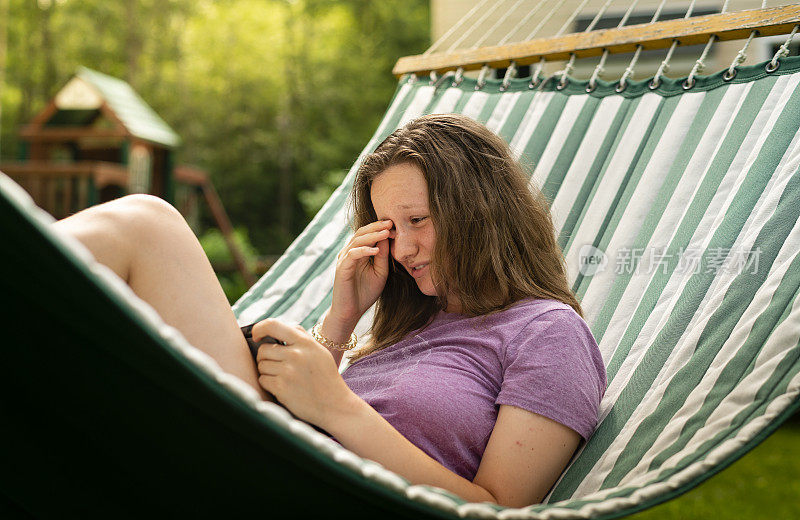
[[217, 251], [313, 199], [233, 285], [269, 96]]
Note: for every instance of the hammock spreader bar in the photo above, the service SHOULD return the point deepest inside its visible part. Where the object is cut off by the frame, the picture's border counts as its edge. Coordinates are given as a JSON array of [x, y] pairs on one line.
[[768, 21]]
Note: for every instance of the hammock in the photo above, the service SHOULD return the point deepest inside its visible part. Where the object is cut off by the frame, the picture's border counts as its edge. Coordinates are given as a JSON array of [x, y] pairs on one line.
[[677, 211]]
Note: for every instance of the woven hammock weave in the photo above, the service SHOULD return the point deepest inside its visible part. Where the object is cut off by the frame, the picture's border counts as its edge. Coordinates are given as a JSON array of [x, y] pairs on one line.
[[678, 213]]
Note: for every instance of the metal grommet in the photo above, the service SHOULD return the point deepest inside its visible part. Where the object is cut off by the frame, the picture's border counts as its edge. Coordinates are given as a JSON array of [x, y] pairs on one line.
[[534, 82], [621, 86], [653, 85], [480, 85], [591, 87], [772, 66], [730, 74], [502, 88], [688, 84], [456, 82], [561, 84]]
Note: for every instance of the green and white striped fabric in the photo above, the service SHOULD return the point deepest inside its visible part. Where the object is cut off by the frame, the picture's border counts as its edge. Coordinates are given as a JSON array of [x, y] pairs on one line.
[[678, 214]]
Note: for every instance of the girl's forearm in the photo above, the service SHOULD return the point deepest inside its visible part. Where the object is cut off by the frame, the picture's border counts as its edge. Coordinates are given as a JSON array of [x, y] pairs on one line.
[[362, 430]]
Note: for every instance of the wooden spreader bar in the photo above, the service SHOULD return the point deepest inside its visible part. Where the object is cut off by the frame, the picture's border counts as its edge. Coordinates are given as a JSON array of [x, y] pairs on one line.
[[727, 26]]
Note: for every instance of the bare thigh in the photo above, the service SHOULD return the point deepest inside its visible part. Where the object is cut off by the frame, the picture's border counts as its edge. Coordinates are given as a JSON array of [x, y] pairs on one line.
[[149, 245]]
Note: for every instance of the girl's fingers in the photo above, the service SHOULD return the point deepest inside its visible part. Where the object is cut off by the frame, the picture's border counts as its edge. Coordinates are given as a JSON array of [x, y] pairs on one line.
[[268, 383], [272, 352], [370, 239], [368, 236], [357, 253], [373, 226], [267, 367], [278, 330], [382, 258]]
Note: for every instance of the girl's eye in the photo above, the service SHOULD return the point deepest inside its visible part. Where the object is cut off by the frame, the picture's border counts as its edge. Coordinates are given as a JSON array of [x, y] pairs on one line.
[[417, 220]]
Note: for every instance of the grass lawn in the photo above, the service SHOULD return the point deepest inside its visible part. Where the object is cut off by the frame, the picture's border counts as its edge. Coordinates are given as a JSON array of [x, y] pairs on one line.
[[764, 484]]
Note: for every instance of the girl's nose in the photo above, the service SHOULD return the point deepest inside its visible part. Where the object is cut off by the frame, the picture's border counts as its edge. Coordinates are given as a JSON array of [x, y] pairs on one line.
[[403, 246]]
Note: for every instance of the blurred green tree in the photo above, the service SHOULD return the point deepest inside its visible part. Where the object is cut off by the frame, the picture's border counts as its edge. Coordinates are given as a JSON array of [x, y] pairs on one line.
[[273, 98]]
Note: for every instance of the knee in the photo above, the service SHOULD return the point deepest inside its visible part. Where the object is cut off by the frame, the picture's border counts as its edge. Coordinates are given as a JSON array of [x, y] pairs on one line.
[[137, 219], [146, 211], [146, 206], [116, 231]]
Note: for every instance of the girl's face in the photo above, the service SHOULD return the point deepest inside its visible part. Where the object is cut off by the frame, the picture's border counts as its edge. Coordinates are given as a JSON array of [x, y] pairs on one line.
[[400, 194]]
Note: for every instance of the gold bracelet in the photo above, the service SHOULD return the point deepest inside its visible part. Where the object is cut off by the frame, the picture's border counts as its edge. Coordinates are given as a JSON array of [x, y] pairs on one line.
[[332, 344]]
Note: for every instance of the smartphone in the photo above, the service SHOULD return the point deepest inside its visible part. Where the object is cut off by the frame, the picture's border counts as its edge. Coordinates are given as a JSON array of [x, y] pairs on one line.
[[247, 330]]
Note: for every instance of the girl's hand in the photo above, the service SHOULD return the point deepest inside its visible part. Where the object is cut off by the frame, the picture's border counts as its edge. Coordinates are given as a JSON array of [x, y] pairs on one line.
[[362, 269], [301, 374]]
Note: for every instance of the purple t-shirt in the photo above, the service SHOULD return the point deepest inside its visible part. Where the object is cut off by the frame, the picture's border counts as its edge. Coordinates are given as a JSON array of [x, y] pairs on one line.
[[442, 385]]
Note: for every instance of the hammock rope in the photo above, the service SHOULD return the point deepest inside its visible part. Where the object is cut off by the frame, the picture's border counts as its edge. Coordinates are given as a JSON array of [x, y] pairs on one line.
[[700, 64], [623, 81], [742, 54], [760, 22], [783, 51], [570, 65], [497, 24], [578, 10], [512, 69], [458, 77], [476, 24], [524, 20], [511, 72], [664, 67], [482, 77], [601, 64], [536, 75], [455, 27], [438, 81]]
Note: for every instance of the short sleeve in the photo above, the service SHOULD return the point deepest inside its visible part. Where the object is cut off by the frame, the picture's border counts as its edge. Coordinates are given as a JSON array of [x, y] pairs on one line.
[[553, 367]]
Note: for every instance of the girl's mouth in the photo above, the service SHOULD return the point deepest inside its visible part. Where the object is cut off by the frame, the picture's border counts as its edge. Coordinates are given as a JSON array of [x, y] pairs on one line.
[[420, 270]]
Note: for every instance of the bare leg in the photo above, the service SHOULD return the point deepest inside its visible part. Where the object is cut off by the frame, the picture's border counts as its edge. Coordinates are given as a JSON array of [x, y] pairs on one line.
[[149, 245]]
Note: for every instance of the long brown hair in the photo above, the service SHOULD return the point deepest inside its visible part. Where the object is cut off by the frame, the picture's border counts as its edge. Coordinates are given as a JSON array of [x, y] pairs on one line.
[[495, 240]]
